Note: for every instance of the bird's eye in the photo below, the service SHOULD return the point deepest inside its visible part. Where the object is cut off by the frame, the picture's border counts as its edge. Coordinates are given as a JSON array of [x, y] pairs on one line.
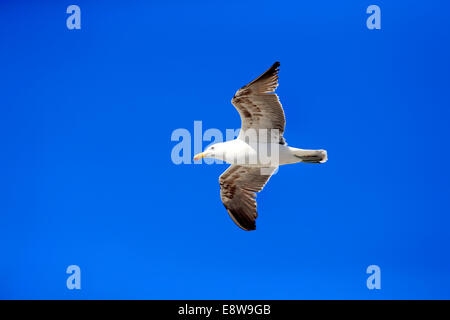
[[212, 148]]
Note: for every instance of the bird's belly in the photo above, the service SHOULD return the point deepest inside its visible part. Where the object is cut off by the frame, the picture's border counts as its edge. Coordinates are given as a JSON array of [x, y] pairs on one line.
[[261, 155]]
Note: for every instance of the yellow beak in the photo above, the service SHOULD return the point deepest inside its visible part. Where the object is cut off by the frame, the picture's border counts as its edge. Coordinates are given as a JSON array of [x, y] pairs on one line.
[[199, 156]]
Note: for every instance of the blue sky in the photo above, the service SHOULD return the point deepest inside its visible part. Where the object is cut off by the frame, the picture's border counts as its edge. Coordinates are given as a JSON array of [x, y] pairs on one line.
[[87, 178]]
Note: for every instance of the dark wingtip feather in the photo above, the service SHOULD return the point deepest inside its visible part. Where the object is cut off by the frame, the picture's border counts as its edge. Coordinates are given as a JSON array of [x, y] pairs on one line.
[[273, 69], [270, 74], [242, 221]]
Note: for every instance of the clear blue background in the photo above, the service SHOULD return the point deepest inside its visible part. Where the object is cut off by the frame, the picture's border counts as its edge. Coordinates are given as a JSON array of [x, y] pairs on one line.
[[87, 178]]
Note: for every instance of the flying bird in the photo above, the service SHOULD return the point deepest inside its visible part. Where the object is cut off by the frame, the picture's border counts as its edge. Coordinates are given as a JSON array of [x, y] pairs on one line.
[[258, 150]]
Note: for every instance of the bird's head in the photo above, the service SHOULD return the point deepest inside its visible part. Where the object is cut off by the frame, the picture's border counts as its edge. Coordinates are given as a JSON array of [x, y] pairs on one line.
[[215, 151]]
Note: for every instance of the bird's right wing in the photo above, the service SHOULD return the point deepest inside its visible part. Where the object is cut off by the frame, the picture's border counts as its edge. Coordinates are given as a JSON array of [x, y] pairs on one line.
[[238, 188]]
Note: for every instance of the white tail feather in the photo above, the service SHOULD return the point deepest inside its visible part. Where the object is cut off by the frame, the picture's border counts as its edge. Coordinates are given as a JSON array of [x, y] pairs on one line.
[[310, 156]]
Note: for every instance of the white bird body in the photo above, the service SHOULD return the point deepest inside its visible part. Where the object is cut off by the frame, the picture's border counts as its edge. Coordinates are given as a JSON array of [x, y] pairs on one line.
[[255, 154], [259, 149]]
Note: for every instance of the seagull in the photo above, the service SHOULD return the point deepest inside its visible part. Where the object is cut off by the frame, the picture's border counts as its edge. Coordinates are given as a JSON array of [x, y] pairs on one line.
[[252, 165]]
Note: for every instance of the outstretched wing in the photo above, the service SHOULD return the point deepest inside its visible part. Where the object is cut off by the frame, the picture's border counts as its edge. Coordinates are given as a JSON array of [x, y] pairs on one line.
[[238, 188], [260, 108]]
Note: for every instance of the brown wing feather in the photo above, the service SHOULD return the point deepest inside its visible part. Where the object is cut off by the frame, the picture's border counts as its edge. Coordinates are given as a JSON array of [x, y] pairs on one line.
[[258, 105], [238, 188]]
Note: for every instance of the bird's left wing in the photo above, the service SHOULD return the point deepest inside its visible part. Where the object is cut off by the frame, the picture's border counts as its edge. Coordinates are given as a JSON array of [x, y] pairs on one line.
[[238, 188], [259, 107]]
